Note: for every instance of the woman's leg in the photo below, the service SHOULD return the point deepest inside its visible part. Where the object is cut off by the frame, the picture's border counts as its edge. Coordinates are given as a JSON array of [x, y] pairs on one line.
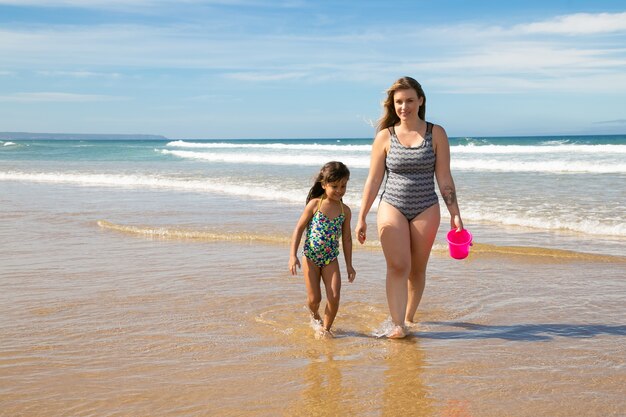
[[423, 232], [393, 231], [311, 274], [332, 281]]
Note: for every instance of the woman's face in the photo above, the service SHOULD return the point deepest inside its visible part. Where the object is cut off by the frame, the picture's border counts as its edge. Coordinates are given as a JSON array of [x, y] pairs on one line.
[[407, 103]]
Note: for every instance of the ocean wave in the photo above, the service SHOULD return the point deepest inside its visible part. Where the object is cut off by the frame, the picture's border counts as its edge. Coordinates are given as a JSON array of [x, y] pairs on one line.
[[488, 215], [177, 233], [477, 212], [269, 159], [540, 150], [555, 166], [478, 249], [280, 146], [259, 191], [475, 164]]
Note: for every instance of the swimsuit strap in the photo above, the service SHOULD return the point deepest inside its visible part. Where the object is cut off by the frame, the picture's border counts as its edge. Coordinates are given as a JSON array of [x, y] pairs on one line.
[[319, 205], [429, 128]]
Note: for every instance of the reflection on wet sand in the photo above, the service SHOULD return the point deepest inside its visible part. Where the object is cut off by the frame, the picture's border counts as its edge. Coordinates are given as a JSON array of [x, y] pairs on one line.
[[324, 391], [405, 393]]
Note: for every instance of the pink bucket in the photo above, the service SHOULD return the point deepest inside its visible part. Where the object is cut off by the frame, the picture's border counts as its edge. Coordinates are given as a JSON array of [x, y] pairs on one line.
[[459, 243]]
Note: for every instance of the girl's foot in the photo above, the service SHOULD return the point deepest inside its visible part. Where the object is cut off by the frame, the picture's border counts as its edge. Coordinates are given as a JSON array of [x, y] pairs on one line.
[[396, 333]]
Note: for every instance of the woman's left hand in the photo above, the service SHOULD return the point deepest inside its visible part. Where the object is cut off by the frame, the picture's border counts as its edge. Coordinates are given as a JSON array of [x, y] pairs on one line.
[[456, 223]]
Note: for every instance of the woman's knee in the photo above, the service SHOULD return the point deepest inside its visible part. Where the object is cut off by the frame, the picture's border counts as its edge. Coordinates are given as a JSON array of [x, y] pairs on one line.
[[398, 267]]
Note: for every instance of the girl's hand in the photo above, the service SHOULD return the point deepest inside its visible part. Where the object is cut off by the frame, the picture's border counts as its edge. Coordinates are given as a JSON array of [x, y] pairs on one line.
[[456, 223], [361, 232], [294, 264], [351, 274]]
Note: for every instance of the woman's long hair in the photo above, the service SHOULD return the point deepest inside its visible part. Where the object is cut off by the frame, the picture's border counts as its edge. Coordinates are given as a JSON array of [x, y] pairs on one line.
[[389, 117], [331, 172]]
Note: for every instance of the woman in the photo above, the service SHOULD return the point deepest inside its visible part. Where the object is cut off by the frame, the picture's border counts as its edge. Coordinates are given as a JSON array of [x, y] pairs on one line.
[[411, 152]]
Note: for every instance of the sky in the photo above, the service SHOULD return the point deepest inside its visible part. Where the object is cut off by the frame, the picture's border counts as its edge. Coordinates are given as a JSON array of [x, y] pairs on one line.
[[227, 69]]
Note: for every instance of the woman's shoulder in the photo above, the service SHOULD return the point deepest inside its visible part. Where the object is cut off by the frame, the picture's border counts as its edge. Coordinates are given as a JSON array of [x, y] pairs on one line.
[[382, 138], [439, 133], [438, 130]]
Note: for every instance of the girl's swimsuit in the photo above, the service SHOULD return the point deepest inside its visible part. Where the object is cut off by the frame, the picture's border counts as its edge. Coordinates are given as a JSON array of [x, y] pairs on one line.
[[410, 185], [321, 242]]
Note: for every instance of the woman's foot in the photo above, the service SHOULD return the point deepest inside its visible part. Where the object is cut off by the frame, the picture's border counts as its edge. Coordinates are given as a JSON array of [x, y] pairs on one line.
[[397, 332], [324, 334]]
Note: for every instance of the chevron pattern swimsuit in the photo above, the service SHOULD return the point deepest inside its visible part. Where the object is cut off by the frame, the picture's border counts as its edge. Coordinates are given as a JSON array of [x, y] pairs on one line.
[[410, 184]]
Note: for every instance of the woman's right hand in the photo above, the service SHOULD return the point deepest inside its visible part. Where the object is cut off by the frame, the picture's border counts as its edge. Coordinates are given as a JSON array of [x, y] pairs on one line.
[[361, 231]]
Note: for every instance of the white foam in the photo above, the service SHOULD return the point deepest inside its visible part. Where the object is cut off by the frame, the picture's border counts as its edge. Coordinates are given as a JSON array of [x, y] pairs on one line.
[[362, 161], [270, 158], [282, 146], [257, 191], [554, 166], [585, 225], [539, 150]]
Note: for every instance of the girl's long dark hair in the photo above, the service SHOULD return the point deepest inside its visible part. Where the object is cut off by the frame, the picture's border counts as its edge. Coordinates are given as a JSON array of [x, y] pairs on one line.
[[331, 172]]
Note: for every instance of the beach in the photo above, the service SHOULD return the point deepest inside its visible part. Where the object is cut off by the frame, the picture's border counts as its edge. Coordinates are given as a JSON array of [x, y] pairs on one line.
[[150, 278]]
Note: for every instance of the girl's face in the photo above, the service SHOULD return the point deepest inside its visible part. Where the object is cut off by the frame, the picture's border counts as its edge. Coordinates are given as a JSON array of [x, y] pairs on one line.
[[335, 190], [407, 103]]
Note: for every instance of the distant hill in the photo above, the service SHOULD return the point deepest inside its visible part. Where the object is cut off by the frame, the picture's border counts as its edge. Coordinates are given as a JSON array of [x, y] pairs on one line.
[[75, 136]]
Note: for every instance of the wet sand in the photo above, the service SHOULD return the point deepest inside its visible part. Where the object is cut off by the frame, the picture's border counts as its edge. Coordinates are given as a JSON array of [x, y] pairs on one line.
[[98, 322]]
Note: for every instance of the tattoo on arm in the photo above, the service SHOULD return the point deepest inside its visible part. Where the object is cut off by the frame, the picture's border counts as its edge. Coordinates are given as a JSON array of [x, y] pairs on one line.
[[449, 195]]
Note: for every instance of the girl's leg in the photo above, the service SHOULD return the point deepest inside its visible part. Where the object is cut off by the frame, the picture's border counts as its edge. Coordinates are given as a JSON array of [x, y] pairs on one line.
[[395, 238], [311, 274], [423, 232], [332, 281]]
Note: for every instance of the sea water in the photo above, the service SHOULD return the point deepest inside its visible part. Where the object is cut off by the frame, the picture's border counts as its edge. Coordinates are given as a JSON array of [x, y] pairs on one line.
[[150, 278], [553, 192]]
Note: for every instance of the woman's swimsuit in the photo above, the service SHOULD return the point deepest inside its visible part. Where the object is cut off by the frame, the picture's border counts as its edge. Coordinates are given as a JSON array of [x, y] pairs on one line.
[[321, 242], [410, 184]]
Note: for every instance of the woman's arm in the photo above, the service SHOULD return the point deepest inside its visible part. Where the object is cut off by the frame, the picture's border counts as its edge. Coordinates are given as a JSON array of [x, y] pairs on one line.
[[445, 182], [373, 182]]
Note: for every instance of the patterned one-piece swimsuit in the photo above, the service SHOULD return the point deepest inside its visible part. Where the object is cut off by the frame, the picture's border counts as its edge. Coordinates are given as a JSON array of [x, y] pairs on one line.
[[410, 184], [321, 242]]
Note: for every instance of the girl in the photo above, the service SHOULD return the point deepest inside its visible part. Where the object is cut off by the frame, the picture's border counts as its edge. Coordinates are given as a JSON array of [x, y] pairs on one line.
[[326, 220]]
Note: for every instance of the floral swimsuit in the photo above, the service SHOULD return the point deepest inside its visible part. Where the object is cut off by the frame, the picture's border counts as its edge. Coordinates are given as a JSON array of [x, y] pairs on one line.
[[321, 243]]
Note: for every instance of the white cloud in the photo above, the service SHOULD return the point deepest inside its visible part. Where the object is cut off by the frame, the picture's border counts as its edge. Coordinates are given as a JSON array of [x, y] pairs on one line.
[[485, 58], [56, 97], [80, 74], [266, 76], [578, 24], [139, 5]]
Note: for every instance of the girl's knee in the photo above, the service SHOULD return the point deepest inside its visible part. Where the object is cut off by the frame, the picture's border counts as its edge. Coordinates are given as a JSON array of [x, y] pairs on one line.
[[314, 299], [333, 297]]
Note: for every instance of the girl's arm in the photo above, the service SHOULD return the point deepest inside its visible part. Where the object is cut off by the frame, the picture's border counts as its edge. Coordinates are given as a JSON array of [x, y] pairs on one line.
[[346, 242], [373, 182], [445, 182], [296, 236]]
